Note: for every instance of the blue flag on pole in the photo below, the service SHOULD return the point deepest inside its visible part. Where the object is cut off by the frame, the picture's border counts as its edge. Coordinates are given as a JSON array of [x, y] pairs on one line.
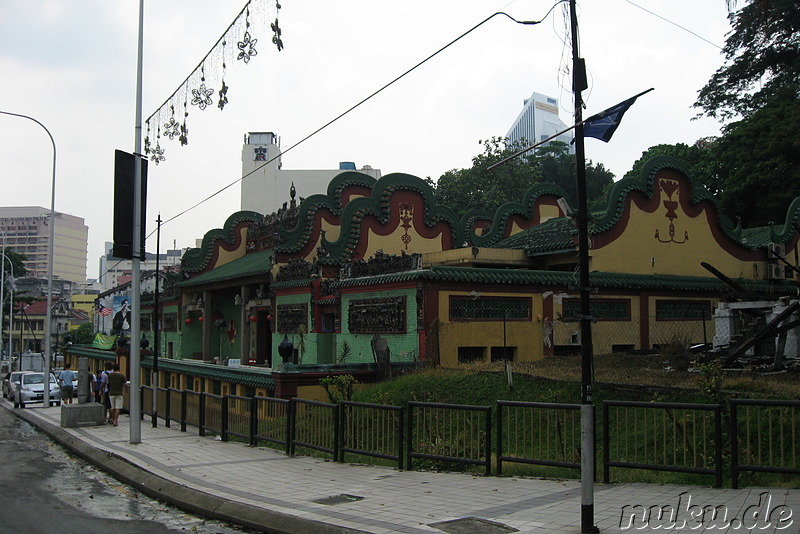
[[603, 125]]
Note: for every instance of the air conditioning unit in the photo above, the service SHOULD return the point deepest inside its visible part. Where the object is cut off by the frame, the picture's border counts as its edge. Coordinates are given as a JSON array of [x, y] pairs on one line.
[[776, 272], [776, 250]]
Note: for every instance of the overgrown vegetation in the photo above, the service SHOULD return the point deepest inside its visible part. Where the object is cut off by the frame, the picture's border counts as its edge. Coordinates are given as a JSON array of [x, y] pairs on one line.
[[339, 387]]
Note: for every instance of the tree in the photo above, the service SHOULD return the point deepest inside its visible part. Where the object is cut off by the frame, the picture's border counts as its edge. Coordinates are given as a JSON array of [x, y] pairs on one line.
[[760, 163], [701, 160], [761, 61], [756, 157], [82, 335], [17, 260], [478, 188]]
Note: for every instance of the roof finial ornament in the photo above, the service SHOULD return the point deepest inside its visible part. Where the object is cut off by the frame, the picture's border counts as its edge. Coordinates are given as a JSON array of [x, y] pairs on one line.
[[292, 193]]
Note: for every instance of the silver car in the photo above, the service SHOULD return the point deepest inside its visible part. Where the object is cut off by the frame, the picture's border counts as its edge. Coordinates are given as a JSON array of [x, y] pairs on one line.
[[10, 383], [31, 389]]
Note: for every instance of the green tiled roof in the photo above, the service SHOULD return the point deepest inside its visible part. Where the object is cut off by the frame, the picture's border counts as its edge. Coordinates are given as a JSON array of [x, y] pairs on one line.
[[555, 234], [566, 279], [255, 264], [758, 237], [248, 376]]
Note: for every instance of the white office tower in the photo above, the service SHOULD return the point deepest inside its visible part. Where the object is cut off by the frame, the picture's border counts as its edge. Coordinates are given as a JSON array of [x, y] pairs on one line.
[[537, 121], [265, 186]]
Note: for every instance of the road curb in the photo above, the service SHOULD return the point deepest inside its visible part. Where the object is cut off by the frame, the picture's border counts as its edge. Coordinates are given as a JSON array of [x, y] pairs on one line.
[[178, 495]]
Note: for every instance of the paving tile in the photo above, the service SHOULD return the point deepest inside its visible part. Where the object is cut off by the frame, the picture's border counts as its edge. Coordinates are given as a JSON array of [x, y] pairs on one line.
[[394, 501]]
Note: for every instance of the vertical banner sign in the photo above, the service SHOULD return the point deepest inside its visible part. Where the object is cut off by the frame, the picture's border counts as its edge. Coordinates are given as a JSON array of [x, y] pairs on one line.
[[123, 205]]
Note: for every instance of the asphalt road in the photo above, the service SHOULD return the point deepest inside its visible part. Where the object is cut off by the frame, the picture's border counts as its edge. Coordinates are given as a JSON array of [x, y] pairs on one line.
[[44, 489]]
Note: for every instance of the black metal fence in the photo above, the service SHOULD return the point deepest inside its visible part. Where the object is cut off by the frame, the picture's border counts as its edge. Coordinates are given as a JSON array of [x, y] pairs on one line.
[[763, 435], [663, 436]]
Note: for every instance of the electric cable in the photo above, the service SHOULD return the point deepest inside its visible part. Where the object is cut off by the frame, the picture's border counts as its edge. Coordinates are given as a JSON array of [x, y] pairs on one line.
[[364, 100]]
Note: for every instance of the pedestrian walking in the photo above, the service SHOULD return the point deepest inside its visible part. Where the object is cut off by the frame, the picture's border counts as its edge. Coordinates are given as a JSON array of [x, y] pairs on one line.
[[116, 383], [67, 379], [104, 392]]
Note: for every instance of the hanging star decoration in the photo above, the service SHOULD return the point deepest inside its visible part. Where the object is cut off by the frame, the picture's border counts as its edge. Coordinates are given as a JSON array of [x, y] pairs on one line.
[[202, 96], [223, 96], [276, 38], [247, 48]]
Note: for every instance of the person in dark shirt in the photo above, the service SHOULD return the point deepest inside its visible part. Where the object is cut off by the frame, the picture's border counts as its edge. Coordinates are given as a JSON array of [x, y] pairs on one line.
[[116, 382]]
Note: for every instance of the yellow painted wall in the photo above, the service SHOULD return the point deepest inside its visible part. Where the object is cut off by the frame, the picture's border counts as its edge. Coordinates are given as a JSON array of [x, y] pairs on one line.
[[226, 256], [604, 333], [607, 333], [526, 336], [684, 331], [641, 248], [393, 244]]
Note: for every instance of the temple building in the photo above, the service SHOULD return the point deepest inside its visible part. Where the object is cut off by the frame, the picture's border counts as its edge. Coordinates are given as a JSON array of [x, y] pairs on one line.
[[375, 268]]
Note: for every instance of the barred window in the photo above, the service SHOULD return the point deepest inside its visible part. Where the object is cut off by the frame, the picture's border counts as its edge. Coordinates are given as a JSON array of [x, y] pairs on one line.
[[600, 309], [291, 317], [491, 308], [170, 322], [377, 316], [677, 310]]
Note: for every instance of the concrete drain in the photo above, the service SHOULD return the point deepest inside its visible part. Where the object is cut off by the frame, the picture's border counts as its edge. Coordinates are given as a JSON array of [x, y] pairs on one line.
[[338, 499], [472, 525]]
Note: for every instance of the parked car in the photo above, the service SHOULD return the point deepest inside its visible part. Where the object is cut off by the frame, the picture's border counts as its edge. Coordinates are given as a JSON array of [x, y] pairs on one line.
[[10, 383], [31, 389]]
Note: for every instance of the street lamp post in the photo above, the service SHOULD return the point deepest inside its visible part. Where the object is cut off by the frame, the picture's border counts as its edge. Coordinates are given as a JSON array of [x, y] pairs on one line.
[[47, 326], [3, 294], [10, 306]]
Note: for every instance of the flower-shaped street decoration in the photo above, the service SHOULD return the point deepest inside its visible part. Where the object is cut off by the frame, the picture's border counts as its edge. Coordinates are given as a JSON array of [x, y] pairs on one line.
[[172, 129], [157, 154], [202, 96], [247, 48]]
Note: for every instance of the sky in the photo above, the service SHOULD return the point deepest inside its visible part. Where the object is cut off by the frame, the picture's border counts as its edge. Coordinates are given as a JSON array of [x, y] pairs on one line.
[[72, 66]]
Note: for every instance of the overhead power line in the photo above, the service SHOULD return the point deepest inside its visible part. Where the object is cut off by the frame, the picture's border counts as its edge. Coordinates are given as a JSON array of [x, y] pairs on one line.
[[363, 101]]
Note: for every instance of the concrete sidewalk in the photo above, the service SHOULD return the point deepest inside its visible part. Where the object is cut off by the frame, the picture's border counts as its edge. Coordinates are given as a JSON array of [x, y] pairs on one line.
[[266, 490]]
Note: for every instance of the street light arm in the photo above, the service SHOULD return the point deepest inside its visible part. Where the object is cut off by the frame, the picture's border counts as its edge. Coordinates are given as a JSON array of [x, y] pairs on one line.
[[48, 326]]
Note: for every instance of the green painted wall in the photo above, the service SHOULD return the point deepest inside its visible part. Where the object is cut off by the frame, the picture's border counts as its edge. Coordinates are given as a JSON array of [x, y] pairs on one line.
[[321, 348], [403, 347]]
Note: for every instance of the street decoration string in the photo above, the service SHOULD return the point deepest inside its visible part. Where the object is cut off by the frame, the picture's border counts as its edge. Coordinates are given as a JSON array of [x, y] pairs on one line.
[[238, 44]]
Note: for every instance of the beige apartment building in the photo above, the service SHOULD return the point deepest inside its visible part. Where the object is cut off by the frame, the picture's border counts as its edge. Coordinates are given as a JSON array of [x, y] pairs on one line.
[[25, 230]]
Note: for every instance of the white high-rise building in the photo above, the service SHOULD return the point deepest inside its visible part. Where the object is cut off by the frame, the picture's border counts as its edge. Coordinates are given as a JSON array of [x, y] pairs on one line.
[[26, 231], [537, 121], [116, 271], [265, 186]]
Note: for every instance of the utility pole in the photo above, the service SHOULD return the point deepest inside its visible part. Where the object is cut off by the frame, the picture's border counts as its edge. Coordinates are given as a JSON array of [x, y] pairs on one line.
[[134, 407], [582, 219], [156, 324]]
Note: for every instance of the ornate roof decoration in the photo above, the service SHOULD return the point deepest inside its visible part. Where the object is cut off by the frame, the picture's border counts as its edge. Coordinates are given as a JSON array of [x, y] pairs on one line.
[[382, 264], [550, 236], [500, 219], [354, 211], [645, 184], [559, 234], [295, 270], [198, 259], [788, 230], [293, 238]]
